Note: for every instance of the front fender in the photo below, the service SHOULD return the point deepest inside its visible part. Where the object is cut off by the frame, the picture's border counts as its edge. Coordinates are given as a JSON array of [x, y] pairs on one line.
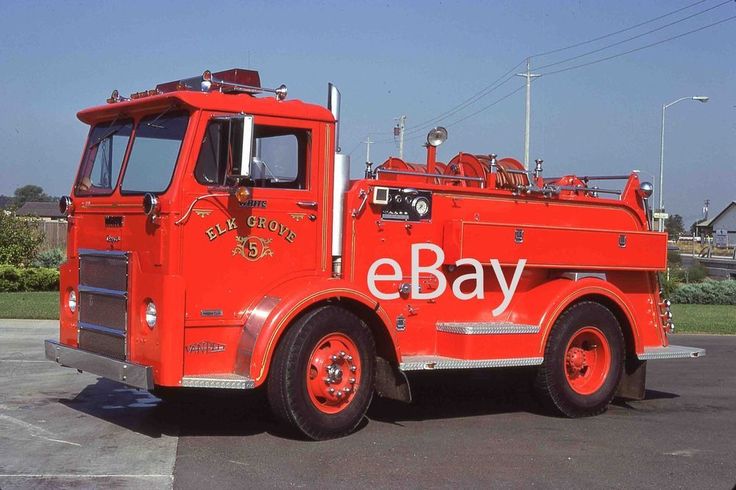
[[267, 321]]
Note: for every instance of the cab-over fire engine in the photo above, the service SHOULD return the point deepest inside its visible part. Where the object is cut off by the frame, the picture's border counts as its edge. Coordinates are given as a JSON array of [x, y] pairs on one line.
[[216, 241]]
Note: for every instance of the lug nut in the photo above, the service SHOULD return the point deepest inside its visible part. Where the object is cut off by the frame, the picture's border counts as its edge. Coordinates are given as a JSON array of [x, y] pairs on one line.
[[334, 358], [349, 358], [339, 394], [331, 391], [352, 381], [353, 368], [347, 390], [342, 353]]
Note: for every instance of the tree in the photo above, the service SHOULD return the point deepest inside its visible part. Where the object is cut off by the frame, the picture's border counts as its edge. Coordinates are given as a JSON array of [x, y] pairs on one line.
[[30, 193], [20, 240], [674, 226]]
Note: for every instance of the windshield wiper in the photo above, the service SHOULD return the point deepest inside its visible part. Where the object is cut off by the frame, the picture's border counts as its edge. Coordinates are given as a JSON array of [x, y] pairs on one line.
[[153, 124], [109, 133], [104, 137]]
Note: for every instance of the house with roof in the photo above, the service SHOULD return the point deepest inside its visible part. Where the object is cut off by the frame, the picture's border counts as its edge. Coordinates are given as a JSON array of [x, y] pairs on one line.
[[725, 220], [46, 211]]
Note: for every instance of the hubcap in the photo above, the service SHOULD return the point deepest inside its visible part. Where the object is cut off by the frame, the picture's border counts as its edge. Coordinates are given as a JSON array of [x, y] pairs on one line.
[[587, 360], [333, 373]]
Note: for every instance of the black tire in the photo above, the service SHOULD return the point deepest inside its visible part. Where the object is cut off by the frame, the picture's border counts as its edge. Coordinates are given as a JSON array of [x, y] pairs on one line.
[[553, 383], [289, 395]]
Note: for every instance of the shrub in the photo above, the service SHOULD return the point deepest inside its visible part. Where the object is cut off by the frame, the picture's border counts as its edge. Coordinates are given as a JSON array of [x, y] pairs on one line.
[[50, 258], [9, 278], [14, 279], [673, 258], [697, 273], [706, 293], [19, 240]]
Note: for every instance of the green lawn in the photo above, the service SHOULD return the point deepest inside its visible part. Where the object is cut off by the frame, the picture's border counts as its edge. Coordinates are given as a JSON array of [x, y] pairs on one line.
[[719, 319], [44, 305]]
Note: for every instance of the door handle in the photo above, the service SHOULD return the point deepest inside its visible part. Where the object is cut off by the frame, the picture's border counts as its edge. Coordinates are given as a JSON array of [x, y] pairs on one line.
[[307, 204]]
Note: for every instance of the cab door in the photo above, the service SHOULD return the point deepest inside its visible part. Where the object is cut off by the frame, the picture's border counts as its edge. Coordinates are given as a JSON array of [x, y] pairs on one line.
[[234, 251]]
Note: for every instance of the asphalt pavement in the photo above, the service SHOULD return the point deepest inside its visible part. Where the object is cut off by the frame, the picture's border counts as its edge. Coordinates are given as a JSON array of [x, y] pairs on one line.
[[61, 429]]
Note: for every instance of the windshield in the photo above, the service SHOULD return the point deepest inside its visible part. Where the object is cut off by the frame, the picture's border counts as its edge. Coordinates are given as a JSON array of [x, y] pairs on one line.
[[154, 152], [103, 157]]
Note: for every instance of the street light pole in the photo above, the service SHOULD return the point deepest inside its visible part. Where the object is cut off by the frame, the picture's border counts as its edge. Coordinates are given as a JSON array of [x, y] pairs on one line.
[[699, 98]]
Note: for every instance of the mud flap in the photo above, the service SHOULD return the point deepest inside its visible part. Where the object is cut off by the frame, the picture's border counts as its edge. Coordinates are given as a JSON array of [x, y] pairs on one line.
[[633, 380], [391, 382]]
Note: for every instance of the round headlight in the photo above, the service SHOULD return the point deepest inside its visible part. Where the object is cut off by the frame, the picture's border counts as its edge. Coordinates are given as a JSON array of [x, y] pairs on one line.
[[71, 301], [150, 204], [151, 314], [65, 205]]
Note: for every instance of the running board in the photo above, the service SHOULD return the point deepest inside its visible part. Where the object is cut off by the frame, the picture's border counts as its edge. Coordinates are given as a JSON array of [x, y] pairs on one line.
[[486, 328], [226, 381], [420, 363], [670, 352]]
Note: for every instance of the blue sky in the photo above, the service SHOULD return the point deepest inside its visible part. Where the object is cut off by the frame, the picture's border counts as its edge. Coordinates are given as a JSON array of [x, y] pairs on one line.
[[391, 58]]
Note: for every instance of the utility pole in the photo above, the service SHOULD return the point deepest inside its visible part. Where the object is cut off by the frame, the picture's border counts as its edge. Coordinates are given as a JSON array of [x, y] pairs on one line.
[[705, 209], [527, 128], [368, 163], [399, 131]]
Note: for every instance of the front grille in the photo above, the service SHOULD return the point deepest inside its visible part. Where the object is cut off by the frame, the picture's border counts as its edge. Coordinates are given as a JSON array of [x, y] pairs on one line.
[[103, 302]]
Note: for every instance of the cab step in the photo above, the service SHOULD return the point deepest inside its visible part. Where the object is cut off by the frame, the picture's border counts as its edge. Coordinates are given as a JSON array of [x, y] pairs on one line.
[[225, 380], [486, 328], [420, 363]]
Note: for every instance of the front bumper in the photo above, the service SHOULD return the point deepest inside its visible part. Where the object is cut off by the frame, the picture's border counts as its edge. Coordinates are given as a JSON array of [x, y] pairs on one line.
[[125, 372]]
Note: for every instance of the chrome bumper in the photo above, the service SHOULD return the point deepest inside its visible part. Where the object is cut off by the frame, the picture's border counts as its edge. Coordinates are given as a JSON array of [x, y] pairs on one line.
[[125, 372], [670, 352]]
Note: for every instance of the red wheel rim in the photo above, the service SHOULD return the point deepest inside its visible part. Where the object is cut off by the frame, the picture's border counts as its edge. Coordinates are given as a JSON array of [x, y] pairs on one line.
[[587, 360], [333, 373]]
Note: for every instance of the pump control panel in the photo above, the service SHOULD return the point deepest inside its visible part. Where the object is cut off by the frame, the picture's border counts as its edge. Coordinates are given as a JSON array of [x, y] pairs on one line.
[[406, 204]]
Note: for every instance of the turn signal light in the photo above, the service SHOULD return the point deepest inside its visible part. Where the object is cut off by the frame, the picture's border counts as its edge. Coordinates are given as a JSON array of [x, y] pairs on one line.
[[242, 194]]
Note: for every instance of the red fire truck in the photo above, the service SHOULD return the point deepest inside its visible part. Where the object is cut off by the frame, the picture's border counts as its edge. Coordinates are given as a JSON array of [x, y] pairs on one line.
[[216, 241]]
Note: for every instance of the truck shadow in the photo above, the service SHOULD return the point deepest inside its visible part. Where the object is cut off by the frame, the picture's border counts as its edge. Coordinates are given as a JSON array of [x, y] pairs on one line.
[[437, 395], [193, 412]]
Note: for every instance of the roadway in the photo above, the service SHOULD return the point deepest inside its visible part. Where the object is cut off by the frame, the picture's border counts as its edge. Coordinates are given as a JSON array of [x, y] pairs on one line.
[[59, 428]]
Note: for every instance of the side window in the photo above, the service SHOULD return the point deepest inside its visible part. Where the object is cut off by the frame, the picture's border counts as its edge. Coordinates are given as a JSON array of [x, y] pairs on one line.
[[279, 155], [217, 154], [103, 157]]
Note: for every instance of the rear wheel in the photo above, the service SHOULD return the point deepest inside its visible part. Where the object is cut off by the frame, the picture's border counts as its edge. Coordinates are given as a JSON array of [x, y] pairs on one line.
[[321, 379], [583, 361]]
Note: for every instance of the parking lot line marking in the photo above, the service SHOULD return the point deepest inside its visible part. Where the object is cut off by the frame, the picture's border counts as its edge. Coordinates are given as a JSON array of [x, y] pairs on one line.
[[31, 475]]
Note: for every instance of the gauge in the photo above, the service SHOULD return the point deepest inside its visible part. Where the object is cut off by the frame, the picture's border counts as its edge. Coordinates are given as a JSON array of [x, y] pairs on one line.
[[421, 206], [398, 198]]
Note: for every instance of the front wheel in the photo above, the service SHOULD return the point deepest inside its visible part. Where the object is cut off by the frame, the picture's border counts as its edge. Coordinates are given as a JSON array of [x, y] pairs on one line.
[[583, 361], [321, 379]]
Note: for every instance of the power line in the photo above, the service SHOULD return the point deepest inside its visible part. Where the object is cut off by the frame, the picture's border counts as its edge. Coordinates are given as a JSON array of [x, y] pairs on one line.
[[575, 67], [634, 37], [470, 100], [617, 32], [507, 76], [468, 116]]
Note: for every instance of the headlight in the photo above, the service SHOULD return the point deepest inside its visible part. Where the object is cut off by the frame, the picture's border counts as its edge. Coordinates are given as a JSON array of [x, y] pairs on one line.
[[72, 301], [151, 314]]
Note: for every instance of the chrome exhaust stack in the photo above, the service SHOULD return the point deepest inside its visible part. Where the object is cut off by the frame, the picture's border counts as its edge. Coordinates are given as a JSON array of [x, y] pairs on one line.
[[341, 180]]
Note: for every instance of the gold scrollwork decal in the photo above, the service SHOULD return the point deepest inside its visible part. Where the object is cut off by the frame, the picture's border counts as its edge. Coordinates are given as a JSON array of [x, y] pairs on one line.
[[253, 247]]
